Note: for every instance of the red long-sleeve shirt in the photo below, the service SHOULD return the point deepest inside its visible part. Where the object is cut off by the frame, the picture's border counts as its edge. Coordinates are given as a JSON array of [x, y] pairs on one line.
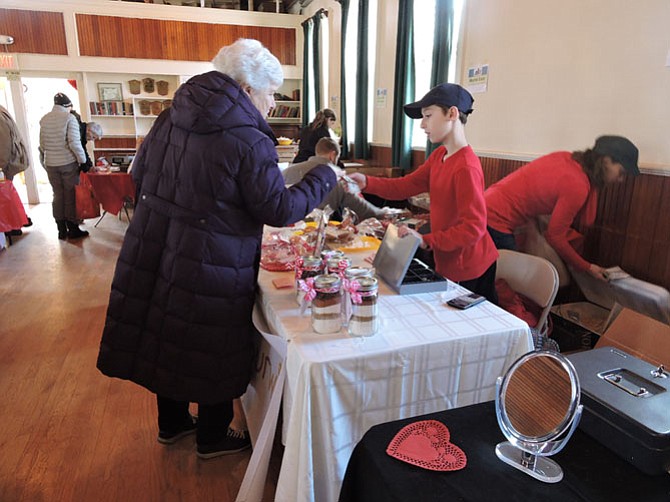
[[553, 184], [462, 247]]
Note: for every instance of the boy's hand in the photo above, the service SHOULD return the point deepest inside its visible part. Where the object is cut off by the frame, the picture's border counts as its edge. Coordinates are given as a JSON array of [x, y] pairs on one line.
[[404, 230]]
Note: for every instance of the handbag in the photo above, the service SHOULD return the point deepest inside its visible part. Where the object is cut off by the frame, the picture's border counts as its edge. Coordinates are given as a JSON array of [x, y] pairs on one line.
[[86, 204]]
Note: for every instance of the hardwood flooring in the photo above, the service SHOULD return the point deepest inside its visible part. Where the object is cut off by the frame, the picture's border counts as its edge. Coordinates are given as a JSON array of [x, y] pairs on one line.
[[68, 433]]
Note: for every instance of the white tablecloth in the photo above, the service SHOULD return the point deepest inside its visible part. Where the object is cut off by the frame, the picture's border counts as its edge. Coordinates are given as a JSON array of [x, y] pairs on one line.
[[427, 357]]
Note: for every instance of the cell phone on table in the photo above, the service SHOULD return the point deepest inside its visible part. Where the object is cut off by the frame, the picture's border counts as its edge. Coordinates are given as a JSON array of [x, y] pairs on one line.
[[466, 301]]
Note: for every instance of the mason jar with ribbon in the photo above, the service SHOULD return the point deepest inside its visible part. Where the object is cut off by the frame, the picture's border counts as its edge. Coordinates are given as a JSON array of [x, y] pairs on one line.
[[364, 320], [305, 267], [326, 305]]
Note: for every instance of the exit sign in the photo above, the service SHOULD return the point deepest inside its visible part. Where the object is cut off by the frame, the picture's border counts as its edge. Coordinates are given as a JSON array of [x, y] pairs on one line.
[[8, 61]]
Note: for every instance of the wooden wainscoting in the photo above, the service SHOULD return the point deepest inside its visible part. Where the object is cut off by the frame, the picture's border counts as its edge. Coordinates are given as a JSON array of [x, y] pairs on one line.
[[632, 228], [34, 32], [122, 37]]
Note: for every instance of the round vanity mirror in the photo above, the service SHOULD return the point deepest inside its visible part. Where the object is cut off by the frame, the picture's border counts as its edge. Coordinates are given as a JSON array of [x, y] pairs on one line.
[[537, 405]]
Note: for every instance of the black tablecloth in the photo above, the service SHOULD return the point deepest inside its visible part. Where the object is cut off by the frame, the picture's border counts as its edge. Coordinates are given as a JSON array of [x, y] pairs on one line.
[[591, 472]]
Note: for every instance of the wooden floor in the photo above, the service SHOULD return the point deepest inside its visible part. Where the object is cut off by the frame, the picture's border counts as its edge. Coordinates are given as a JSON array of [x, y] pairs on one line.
[[68, 433]]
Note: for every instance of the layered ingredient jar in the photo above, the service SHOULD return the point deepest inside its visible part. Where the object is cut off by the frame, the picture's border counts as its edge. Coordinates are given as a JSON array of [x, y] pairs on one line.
[[327, 304], [364, 320]]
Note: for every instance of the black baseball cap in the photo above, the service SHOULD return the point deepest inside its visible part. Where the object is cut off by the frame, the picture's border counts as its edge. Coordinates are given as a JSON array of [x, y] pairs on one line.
[[62, 99], [445, 95], [621, 150]]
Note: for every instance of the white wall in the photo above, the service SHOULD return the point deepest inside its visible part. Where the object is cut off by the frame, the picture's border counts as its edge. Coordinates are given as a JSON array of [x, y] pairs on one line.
[[387, 29], [563, 73]]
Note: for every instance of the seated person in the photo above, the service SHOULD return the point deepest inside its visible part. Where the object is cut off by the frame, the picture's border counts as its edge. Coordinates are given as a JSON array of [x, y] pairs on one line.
[[310, 135], [564, 185], [328, 152]]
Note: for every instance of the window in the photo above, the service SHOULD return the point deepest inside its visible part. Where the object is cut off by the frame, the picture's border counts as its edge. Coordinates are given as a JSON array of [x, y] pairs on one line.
[[424, 29], [351, 55]]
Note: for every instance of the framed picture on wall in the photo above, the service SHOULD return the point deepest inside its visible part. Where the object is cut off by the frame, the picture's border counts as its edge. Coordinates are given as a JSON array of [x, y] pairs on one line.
[[110, 92]]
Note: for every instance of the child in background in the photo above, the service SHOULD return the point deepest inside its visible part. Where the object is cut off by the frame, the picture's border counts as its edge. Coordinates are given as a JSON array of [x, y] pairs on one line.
[[461, 246]]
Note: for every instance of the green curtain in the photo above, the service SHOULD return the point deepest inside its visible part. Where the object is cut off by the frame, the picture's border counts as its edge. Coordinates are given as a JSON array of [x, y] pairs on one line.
[[361, 146], [307, 85], [316, 60], [343, 82], [401, 150], [442, 46], [443, 39]]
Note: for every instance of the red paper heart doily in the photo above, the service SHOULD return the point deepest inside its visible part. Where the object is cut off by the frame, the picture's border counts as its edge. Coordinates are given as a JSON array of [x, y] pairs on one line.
[[426, 444]]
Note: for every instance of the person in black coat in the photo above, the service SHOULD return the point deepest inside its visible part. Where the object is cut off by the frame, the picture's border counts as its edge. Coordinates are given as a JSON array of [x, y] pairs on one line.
[[179, 314], [312, 133]]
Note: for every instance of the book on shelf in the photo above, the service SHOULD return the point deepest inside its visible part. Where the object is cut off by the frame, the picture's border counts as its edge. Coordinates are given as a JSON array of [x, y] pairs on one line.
[[123, 108], [285, 111]]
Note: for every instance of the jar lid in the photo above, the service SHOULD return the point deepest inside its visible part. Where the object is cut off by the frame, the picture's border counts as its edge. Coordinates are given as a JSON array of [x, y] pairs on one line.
[[311, 262], [367, 283], [355, 272], [335, 262], [327, 281], [327, 254]]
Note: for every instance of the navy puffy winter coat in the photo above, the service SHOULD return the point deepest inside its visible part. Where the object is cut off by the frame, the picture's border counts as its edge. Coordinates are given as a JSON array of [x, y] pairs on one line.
[[179, 315]]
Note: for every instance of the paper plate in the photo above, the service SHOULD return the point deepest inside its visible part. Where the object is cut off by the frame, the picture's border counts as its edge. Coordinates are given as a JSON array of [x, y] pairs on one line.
[[367, 243]]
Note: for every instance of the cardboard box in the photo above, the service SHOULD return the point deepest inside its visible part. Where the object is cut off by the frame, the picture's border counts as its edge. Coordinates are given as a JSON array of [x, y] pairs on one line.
[[638, 335], [578, 326]]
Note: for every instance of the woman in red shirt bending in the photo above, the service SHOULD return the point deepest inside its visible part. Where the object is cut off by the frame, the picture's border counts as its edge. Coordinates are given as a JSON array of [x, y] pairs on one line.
[[564, 185], [461, 246]]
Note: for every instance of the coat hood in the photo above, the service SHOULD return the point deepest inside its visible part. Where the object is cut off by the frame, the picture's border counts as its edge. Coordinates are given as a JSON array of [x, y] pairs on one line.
[[208, 102]]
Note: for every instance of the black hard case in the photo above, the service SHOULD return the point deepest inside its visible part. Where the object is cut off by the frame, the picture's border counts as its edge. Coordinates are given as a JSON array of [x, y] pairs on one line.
[[635, 428]]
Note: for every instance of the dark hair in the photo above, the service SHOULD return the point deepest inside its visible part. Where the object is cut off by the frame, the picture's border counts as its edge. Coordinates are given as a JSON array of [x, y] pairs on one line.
[[593, 165], [322, 117], [462, 117]]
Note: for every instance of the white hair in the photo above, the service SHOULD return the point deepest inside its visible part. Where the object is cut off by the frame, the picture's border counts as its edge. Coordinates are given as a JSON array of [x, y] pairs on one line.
[[95, 128], [250, 63]]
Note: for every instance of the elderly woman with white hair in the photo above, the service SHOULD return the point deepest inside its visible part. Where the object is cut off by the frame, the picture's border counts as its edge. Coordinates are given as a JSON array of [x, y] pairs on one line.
[[179, 315]]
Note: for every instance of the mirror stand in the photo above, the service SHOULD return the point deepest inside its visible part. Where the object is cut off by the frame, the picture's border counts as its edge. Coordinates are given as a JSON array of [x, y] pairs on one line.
[[542, 468], [538, 409]]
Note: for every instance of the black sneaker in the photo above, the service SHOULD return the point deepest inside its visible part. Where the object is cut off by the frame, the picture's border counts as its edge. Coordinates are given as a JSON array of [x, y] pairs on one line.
[[235, 441], [171, 437]]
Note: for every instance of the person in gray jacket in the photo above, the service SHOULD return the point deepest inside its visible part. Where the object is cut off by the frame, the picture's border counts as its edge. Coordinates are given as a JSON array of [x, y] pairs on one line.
[[63, 155], [328, 152]]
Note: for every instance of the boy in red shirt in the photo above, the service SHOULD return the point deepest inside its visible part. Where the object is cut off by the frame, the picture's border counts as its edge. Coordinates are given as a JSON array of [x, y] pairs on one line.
[[461, 246]]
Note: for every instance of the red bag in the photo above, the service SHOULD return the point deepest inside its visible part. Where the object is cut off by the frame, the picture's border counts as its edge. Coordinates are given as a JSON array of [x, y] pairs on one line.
[[87, 205]]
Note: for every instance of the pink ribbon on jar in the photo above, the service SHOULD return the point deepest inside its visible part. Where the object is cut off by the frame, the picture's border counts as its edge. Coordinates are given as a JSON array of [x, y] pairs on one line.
[[342, 265], [298, 267], [353, 287], [307, 286]]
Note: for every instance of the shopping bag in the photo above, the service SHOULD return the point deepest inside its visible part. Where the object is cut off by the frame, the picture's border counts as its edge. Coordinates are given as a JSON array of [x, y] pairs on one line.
[[86, 203]]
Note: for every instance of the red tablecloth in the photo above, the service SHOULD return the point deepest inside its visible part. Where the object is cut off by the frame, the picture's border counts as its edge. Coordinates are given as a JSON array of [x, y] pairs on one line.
[[112, 189], [12, 214]]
